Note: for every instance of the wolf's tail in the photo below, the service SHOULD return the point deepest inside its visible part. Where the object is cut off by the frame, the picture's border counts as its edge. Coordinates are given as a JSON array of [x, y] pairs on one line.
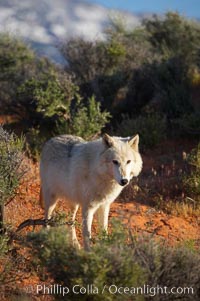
[[41, 199]]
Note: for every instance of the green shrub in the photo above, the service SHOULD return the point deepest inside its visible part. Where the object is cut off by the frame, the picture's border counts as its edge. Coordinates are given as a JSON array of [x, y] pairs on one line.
[[3, 245], [150, 127], [167, 88], [5, 263], [127, 48], [107, 65], [43, 98], [191, 181], [43, 105], [110, 262], [176, 40], [18, 63], [11, 157], [174, 35], [158, 56], [81, 119], [11, 171], [87, 120], [172, 84], [138, 97], [35, 141], [15, 63], [189, 124], [54, 107], [171, 267], [94, 63], [120, 259], [31, 87], [167, 50]]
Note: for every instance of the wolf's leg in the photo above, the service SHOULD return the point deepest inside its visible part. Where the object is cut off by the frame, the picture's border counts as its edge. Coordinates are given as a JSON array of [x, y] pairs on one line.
[[87, 214], [74, 209], [102, 214], [50, 204]]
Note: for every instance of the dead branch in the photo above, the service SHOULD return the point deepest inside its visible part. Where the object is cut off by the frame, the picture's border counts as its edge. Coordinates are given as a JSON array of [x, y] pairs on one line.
[[41, 222]]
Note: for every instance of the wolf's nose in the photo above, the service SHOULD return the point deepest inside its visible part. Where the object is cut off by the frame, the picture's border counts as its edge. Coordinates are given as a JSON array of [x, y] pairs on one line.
[[124, 182]]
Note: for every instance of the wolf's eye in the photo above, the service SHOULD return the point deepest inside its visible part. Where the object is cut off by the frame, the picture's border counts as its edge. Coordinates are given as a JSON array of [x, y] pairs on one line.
[[128, 162], [115, 162]]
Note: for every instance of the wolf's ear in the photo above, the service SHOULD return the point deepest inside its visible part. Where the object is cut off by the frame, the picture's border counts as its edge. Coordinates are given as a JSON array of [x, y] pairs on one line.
[[108, 140], [134, 142]]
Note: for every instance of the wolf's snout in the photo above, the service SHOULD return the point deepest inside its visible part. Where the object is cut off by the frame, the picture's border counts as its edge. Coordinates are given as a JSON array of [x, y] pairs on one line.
[[123, 182]]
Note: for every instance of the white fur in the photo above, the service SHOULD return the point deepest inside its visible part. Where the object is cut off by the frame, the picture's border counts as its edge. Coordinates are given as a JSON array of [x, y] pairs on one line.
[[84, 174]]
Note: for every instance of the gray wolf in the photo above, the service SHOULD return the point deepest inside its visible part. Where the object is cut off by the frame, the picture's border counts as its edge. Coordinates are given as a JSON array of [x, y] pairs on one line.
[[87, 174]]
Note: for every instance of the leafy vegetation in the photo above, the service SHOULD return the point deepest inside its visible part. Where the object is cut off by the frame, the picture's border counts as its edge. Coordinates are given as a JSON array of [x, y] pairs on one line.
[[43, 99], [11, 172], [192, 179], [152, 68], [150, 127], [107, 264], [11, 157], [114, 262], [87, 120], [17, 62]]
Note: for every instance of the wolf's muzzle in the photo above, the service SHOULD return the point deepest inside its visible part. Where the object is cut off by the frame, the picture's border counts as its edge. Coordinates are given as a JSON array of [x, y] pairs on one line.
[[123, 182]]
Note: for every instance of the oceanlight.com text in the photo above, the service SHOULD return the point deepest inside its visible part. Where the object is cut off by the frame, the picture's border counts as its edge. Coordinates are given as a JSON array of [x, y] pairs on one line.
[[91, 289]]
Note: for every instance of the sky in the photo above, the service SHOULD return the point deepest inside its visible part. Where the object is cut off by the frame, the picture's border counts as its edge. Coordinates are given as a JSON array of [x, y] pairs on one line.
[[188, 8]]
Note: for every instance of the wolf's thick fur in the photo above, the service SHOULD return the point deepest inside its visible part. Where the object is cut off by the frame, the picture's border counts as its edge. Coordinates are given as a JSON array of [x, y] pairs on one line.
[[87, 174]]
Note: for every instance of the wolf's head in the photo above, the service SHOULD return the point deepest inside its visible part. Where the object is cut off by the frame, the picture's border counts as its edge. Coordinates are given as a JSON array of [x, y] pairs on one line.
[[122, 158]]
